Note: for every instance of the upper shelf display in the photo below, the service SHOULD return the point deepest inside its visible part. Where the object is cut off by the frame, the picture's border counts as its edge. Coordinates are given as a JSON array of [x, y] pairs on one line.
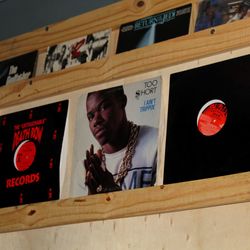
[[216, 12], [153, 29], [18, 68], [74, 52]]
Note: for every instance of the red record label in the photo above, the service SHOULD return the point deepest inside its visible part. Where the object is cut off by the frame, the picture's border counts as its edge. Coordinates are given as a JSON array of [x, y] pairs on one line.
[[24, 155], [212, 117]]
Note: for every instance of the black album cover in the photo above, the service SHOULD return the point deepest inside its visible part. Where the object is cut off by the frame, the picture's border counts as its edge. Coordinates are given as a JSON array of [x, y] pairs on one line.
[[208, 131], [18, 68], [30, 148], [153, 29]]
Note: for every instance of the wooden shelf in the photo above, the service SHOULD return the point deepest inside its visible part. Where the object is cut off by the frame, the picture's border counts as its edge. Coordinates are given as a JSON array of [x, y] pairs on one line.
[[194, 46], [165, 198]]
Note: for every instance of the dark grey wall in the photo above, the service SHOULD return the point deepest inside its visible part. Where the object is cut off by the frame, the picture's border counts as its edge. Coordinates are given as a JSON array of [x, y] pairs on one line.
[[21, 16]]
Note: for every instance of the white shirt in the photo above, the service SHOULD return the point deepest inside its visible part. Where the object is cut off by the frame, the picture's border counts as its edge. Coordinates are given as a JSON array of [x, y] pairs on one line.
[[142, 172]]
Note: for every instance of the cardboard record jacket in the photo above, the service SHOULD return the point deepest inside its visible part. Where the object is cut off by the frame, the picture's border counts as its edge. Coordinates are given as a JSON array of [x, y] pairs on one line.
[[17, 68], [153, 29], [30, 150], [191, 153]]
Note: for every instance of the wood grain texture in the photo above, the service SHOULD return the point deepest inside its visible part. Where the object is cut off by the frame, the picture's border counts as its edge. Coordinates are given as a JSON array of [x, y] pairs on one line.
[[174, 197], [172, 52], [160, 199], [221, 227]]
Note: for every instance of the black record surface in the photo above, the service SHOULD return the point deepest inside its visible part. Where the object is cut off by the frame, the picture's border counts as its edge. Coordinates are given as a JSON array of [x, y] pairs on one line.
[[30, 153], [189, 154]]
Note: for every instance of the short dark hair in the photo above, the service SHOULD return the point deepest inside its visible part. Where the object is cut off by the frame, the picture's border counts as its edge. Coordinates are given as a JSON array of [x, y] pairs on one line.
[[90, 38], [114, 91]]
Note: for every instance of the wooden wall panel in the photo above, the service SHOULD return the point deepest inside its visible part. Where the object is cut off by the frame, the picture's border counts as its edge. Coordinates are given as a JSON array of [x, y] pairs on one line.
[[194, 48], [172, 52], [222, 227], [173, 197]]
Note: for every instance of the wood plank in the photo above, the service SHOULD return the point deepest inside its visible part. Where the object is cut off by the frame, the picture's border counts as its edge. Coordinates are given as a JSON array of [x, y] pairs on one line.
[[190, 230], [157, 56], [173, 197]]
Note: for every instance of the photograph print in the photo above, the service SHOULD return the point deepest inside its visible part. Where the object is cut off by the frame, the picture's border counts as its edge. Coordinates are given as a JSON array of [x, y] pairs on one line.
[[116, 138], [77, 51], [212, 13]]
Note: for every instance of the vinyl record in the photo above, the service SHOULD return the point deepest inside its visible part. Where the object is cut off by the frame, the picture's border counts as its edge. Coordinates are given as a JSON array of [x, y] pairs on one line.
[[30, 153], [208, 131]]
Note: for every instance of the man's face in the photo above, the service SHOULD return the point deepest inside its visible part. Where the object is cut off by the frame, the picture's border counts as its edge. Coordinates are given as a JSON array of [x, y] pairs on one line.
[[106, 116]]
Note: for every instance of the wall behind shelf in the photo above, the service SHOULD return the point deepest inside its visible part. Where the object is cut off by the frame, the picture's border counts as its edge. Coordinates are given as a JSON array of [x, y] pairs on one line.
[[223, 228], [18, 17]]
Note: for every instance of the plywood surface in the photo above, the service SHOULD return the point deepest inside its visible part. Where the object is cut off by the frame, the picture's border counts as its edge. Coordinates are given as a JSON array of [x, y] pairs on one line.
[[222, 227], [192, 48], [202, 193], [172, 52]]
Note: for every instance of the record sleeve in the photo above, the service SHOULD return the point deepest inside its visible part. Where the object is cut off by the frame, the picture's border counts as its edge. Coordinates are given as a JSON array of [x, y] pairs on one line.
[[30, 151], [208, 121], [153, 29], [17, 68], [74, 52], [102, 120], [212, 13]]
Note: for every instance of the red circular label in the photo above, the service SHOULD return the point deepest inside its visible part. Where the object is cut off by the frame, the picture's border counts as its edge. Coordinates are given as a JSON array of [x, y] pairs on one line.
[[212, 117], [24, 155]]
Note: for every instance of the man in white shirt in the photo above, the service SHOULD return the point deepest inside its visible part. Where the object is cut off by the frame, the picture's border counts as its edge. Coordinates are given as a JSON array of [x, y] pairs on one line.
[[128, 154]]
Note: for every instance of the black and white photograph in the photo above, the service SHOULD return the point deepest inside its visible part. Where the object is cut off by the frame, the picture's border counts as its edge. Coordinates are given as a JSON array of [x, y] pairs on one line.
[[75, 52]]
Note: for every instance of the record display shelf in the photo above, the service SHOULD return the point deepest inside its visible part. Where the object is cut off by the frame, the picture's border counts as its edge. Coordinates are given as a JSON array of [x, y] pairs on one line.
[[192, 50]]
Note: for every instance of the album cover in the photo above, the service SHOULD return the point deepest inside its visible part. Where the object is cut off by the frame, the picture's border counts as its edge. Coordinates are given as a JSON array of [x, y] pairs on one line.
[[74, 52], [208, 125], [30, 148], [18, 68], [121, 123], [153, 29], [216, 12]]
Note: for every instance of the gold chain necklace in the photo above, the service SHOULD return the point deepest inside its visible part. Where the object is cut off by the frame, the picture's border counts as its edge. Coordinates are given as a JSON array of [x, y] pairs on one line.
[[130, 150]]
